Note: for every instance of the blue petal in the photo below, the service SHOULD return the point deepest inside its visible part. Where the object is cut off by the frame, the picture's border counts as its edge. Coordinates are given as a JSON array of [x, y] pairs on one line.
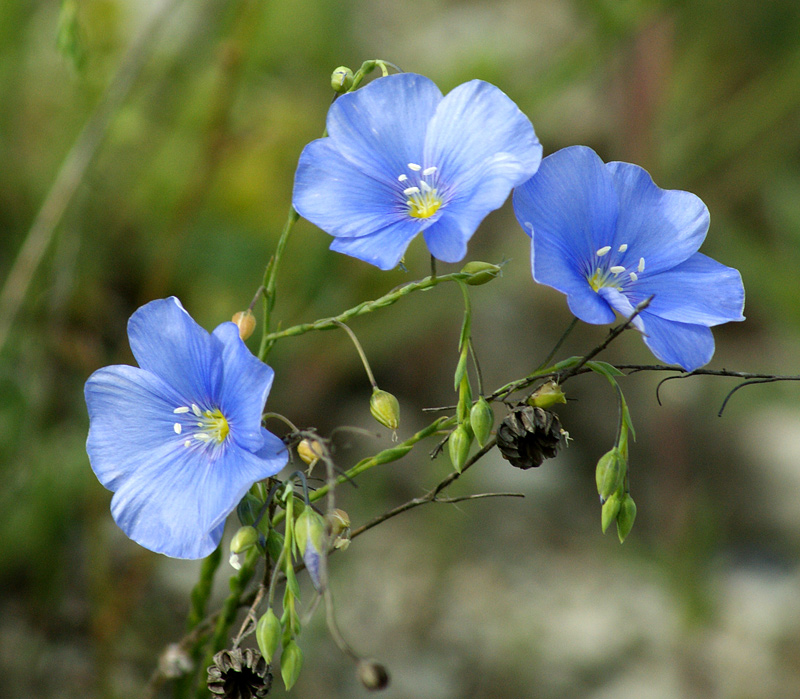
[[381, 127], [480, 140], [338, 197], [244, 389], [700, 291], [687, 345], [385, 248], [663, 226], [167, 342]]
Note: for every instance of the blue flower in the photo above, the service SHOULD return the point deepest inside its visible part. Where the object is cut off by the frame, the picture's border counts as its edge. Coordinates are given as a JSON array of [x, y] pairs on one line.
[[400, 159], [179, 440], [607, 237]]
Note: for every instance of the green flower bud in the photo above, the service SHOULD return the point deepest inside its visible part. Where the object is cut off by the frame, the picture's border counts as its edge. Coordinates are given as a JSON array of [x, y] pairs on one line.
[[609, 473], [341, 79], [481, 272], [385, 408], [481, 419], [626, 517], [458, 444], [309, 532], [372, 674], [268, 634], [547, 395], [291, 664], [242, 541], [609, 511]]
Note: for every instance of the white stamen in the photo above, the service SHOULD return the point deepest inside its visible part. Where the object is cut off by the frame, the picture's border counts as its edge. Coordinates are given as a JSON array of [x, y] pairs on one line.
[[616, 269], [604, 250], [623, 247], [641, 265], [429, 170], [177, 427], [634, 277], [402, 178], [196, 409], [202, 436], [182, 409], [187, 443], [414, 167], [411, 190], [529, 226], [425, 186]]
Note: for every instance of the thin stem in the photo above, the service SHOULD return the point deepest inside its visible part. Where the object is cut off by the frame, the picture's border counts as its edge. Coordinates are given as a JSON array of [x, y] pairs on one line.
[[361, 354], [558, 344]]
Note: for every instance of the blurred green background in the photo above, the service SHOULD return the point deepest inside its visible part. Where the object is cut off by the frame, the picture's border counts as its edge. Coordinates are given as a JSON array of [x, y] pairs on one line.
[[194, 114]]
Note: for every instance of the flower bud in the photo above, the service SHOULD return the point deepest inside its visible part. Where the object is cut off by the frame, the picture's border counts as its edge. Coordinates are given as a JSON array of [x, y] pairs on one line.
[[309, 532], [481, 272], [291, 664], [372, 674], [626, 517], [609, 512], [547, 395], [310, 451], [268, 634], [338, 522], [481, 419], [341, 79], [609, 473], [385, 408], [246, 322], [242, 541], [458, 444]]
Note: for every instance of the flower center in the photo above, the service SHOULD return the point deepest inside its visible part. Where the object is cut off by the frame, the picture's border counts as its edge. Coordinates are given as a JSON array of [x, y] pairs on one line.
[[616, 276], [203, 426], [422, 198]]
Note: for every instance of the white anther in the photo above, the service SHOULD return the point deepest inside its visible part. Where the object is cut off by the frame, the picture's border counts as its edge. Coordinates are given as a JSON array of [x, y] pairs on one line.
[[202, 437], [529, 226], [604, 250], [616, 269], [182, 409], [641, 265], [196, 409], [187, 443], [429, 170], [411, 190], [623, 247], [402, 178], [177, 427], [425, 186], [414, 167], [634, 277]]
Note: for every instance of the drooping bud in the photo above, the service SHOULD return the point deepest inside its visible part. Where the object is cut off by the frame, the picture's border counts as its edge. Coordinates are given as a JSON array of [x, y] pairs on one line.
[[246, 322], [341, 79], [372, 675], [528, 436], [309, 531], [481, 272], [609, 473], [385, 408], [626, 517], [291, 664], [547, 395], [458, 445], [310, 451], [242, 541], [609, 512], [338, 528], [268, 634], [481, 419]]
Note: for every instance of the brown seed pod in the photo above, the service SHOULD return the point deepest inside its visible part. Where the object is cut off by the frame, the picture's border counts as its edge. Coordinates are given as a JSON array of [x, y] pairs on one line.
[[239, 674], [528, 436]]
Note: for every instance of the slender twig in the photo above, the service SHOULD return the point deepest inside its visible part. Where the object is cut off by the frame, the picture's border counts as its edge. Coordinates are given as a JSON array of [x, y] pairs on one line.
[[558, 344]]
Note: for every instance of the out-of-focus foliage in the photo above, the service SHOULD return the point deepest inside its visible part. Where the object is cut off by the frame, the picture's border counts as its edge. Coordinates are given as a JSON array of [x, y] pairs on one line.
[[187, 195]]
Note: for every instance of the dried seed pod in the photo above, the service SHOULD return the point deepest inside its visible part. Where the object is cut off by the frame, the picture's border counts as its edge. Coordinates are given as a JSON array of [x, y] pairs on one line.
[[239, 674], [528, 436]]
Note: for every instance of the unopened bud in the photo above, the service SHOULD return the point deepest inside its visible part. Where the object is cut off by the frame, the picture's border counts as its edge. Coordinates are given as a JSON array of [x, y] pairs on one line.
[[372, 675], [626, 517], [481, 419], [481, 272], [338, 522], [609, 512], [242, 541], [342, 79], [609, 473], [385, 408], [246, 322], [309, 531], [268, 634], [458, 444], [291, 664], [310, 451], [547, 395]]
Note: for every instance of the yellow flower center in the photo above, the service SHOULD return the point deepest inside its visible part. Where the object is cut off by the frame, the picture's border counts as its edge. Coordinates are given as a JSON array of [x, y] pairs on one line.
[[422, 199], [205, 426]]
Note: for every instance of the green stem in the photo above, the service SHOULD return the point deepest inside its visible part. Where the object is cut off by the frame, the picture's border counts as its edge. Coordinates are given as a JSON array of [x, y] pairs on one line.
[[364, 307]]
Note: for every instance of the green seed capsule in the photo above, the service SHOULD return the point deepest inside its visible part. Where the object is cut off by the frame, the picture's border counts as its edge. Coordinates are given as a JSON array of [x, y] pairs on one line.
[[458, 444], [481, 418], [341, 79], [482, 272], [385, 408]]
